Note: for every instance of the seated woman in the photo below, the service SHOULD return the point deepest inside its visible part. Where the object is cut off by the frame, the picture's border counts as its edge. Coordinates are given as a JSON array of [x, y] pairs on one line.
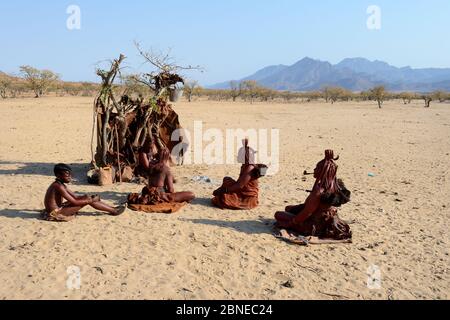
[[318, 215], [148, 158], [160, 187], [243, 193]]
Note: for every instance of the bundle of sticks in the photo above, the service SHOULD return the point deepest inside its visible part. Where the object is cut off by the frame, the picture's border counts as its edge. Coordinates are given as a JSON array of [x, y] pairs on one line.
[[122, 126]]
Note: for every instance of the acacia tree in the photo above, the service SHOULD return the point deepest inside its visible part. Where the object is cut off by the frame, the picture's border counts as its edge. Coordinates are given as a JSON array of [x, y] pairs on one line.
[[47, 80], [132, 87], [287, 96], [428, 99], [266, 94], [406, 97], [379, 94], [189, 89], [38, 80], [313, 96], [334, 94], [5, 84], [439, 96], [364, 95], [88, 89], [235, 90], [251, 89], [17, 88], [326, 93], [346, 95]]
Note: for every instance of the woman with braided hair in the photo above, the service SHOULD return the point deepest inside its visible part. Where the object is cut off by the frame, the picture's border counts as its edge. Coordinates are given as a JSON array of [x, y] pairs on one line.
[[318, 215], [242, 194]]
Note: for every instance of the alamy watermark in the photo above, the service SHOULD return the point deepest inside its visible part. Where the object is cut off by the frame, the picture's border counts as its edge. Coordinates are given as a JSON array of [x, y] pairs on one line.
[[73, 22], [73, 281], [374, 19], [374, 277], [218, 147]]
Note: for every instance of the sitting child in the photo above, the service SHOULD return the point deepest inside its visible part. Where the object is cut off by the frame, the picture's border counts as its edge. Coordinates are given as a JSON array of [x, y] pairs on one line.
[[62, 205]]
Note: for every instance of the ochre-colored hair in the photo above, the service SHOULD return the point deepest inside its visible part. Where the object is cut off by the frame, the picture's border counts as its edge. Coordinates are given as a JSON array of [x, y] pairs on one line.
[[327, 178]]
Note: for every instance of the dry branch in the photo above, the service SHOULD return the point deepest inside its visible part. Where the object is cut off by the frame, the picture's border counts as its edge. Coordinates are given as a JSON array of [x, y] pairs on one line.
[[123, 126]]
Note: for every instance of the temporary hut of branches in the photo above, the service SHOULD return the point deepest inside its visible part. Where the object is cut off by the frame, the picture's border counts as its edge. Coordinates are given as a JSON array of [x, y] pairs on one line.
[[122, 125]]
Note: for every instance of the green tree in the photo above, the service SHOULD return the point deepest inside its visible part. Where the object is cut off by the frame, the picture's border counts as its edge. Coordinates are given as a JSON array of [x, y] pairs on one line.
[[440, 96], [346, 95], [364, 95], [251, 89], [406, 97], [326, 94], [189, 89], [17, 88], [5, 85], [379, 94], [235, 90], [131, 86], [38, 80], [335, 93]]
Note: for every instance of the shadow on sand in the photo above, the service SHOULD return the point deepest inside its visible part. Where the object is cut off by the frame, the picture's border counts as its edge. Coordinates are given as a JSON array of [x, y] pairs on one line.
[[203, 202], [20, 214], [44, 169], [263, 226], [117, 197], [36, 215]]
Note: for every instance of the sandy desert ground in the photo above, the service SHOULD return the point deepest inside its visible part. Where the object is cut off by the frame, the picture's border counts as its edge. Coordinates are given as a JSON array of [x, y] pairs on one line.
[[400, 217]]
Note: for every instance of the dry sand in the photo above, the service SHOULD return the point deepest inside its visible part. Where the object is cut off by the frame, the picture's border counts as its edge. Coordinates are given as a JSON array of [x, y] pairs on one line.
[[204, 253]]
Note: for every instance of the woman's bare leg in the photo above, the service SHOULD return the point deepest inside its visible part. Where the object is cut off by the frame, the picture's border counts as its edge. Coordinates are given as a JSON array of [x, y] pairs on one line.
[[100, 206], [284, 219], [228, 181], [182, 196], [295, 209]]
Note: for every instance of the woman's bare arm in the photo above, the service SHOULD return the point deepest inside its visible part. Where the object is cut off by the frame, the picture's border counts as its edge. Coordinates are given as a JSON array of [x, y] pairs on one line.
[[169, 182], [243, 180], [83, 197], [144, 161], [74, 201], [312, 203]]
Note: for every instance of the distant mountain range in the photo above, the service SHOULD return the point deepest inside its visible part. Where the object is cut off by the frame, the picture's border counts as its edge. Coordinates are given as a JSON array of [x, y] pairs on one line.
[[355, 74]]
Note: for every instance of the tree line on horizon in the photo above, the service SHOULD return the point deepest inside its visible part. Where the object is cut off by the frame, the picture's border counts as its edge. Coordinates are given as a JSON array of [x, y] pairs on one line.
[[33, 82], [251, 91], [36, 83]]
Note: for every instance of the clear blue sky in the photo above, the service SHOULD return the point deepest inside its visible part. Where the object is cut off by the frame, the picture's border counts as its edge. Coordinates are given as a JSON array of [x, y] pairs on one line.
[[229, 38]]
